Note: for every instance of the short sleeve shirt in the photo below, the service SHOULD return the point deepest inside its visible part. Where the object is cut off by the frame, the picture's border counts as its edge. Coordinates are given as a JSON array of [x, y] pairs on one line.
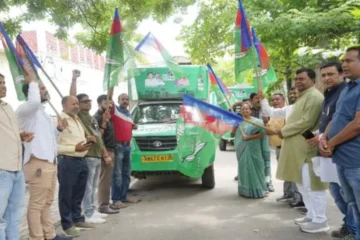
[[347, 154]]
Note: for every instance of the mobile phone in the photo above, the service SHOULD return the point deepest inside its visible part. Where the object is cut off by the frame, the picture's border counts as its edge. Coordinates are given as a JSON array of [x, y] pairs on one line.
[[308, 134], [89, 143]]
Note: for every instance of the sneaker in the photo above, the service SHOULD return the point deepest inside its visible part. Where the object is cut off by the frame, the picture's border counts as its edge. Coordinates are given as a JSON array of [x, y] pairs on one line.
[[302, 221], [85, 225], [284, 198], [63, 237], [107, 210], [94, 220], [100, 215], [349, 236], [312, 227], [270, 187], [72, 232], [118, 205], [341, 232]]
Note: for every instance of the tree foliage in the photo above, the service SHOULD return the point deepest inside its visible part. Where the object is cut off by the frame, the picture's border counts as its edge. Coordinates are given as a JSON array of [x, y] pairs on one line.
[[282, 25], [95, 16], [225, 70]]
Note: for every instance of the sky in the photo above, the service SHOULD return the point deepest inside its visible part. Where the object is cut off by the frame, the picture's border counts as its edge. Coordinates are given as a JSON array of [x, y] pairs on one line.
[[166, 32]]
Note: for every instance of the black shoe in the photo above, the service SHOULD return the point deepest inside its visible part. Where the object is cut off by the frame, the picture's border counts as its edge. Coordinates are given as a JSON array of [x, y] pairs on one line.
[[284, 198], [58, 237], [303, 211], [294, 201], [108, 210], [236, 178], [297, 204], [341, 232]]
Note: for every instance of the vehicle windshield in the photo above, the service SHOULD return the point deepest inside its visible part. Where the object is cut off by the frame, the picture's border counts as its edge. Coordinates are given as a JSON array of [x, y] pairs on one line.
[[156, 113]]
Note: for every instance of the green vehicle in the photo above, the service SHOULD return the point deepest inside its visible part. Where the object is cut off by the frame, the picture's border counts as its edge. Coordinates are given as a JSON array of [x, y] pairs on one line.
[[239, 92], [163, 144]]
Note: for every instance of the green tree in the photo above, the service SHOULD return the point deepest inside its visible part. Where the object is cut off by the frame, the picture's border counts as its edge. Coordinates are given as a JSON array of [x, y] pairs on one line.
[[225, 70], [95, 16], [282, 25]]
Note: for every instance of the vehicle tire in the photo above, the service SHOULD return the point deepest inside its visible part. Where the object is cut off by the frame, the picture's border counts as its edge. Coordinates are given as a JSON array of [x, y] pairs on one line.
[[222, 145], [208, 177]]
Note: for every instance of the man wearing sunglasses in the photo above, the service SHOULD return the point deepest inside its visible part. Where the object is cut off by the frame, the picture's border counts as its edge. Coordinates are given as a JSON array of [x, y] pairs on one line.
[[93, 158]]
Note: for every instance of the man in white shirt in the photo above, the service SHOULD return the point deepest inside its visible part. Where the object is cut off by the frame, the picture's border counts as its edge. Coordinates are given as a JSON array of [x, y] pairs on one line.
[[282, 113], [39, 160]]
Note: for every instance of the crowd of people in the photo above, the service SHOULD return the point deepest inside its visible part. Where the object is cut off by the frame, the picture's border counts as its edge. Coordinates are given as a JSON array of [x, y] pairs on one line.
[[83, 153], [316, 139]]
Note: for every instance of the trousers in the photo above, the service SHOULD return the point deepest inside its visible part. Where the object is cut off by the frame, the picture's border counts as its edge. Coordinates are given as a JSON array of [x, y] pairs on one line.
[[315, 201], [40, 175]]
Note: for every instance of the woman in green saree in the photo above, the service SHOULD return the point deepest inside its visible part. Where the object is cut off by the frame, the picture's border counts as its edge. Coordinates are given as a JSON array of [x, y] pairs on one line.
[[253, 155]]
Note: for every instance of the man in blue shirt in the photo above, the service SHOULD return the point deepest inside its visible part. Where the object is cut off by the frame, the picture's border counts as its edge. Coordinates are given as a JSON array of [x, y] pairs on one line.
[[342, 139]]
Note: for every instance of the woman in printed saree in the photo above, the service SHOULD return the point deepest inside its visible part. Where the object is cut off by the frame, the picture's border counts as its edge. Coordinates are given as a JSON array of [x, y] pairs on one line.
[[253, 155]]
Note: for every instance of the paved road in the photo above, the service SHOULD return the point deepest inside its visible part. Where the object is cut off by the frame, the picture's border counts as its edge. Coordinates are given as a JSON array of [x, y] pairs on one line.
[[177, 208]]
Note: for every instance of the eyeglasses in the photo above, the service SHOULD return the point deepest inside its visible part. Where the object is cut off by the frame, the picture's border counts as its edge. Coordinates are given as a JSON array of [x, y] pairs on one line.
[[86, 101]]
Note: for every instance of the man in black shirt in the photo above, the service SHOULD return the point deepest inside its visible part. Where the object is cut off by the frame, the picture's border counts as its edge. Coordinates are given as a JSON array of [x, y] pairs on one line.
[[108, 136]]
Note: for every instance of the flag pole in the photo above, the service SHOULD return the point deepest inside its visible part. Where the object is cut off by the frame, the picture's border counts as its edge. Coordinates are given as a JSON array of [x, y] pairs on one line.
[[248, 121], [28, 51], [53, 108], [37, 75], [51, 81], [257, 73], [47, 95], [108, 96], [228, 102]]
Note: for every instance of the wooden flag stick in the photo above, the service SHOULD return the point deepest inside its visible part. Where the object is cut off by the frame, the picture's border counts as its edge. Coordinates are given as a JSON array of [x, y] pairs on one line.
[[33, 68], [248, 121], [56, 112], [257, 73], [51, 81]]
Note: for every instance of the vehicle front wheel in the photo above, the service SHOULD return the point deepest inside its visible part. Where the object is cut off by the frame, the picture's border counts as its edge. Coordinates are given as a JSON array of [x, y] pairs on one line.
[[208, 177], [222, 145]]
